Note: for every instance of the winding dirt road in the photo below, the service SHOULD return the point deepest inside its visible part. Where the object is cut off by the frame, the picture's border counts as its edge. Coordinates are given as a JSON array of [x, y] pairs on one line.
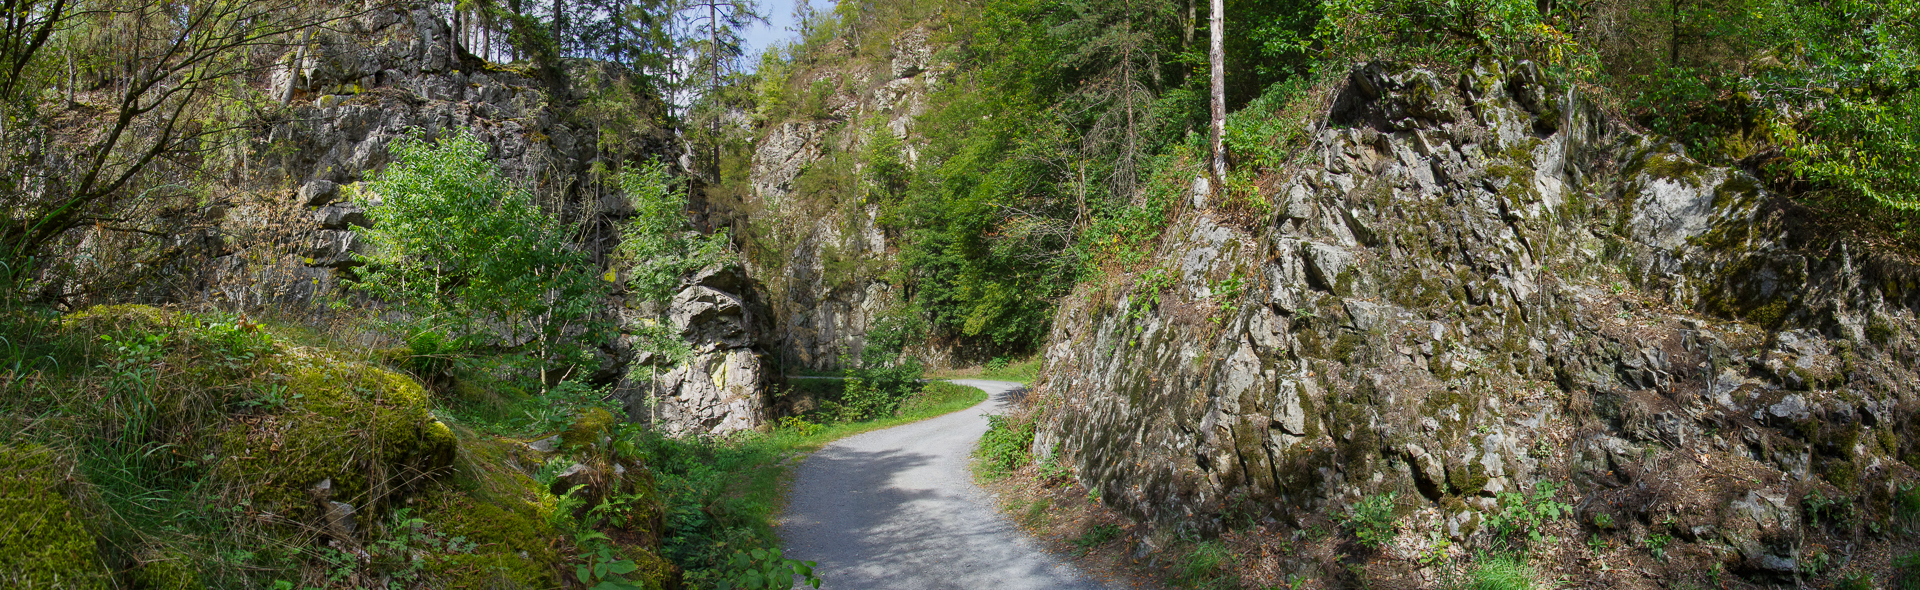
[[897, 508]]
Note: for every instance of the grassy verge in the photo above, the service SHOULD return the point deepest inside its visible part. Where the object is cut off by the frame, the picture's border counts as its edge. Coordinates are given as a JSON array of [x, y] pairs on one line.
[[1023, 371], [722, 494]]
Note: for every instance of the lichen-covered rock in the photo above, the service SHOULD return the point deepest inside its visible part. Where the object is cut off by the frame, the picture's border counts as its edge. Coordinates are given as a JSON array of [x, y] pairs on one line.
[[44, 541]]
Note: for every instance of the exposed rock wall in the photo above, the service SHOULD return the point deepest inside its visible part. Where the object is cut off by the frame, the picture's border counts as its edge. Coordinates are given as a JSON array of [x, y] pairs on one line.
[[722, 386], [1477, 282], [827, 274]]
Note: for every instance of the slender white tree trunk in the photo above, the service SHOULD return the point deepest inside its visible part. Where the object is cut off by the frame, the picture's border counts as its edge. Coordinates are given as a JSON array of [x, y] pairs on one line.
[[1216, 28]]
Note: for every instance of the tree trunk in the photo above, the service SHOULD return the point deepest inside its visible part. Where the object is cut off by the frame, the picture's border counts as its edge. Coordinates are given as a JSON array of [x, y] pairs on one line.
[[513, 51], [293, 69], [559, 28], [1217, 24], [713, 31]]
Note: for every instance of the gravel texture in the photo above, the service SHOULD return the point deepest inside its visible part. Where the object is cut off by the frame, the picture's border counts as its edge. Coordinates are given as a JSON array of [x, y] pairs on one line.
[[897, 508]]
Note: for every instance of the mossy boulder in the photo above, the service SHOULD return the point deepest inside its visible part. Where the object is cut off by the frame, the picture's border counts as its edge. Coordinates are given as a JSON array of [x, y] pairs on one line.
[[589, 429], [365, 430], [43, 541], [513, 539], [110, 319]]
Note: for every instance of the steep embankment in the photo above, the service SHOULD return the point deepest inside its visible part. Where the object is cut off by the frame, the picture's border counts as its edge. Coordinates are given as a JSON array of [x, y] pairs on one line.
[[1477, 283]]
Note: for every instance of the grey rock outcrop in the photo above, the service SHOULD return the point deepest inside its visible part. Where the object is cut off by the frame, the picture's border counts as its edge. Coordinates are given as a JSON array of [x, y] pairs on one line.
[[722, 385], [827, 293], [1478, 283]]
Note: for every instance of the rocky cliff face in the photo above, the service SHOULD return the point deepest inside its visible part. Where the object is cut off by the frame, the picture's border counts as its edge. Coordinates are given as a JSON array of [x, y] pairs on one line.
[[1475, 283], [826, 276]]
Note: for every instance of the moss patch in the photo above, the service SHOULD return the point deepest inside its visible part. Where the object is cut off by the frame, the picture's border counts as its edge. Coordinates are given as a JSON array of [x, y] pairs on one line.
[[366, 429], [43, 543], [514, 543]]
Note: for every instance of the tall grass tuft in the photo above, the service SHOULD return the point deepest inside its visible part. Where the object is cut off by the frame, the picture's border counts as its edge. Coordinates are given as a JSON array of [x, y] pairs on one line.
[[1502, 571]]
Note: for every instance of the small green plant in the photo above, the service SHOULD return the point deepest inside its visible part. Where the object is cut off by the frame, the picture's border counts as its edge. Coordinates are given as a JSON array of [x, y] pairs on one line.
[[1603, 520], [601, 566], [1501, 572], [766, 569], [996, 365], [1528, 515], [1828, 509], [1095, 537], [1052, 470], [1656, 544], [1226, 296], [1371, 519], [1436, 551], [1855, 581], [269, 397]]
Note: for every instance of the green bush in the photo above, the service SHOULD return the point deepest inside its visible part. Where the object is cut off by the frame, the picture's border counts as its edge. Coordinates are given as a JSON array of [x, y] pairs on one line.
[[1371, 519], [1005, 447], [658, 245], [1527, 514]]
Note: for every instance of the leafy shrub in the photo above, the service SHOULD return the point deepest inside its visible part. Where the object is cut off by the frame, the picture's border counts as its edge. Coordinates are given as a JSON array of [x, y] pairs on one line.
[[1527, 514], [1005, 447], [455, 243], [1371, 519], [765, 569], [659, 246]]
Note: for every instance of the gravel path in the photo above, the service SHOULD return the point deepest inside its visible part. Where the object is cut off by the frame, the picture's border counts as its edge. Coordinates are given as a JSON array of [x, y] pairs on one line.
[[897, 508]]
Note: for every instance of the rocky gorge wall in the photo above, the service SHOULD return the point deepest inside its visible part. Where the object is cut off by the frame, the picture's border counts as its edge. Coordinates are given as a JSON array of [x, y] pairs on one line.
[[279, 234], [827, 254], [1474, 283]]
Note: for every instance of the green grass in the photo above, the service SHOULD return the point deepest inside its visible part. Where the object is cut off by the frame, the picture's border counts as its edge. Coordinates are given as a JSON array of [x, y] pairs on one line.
[[1023, 371], [1205, 566], [1502, 572]]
